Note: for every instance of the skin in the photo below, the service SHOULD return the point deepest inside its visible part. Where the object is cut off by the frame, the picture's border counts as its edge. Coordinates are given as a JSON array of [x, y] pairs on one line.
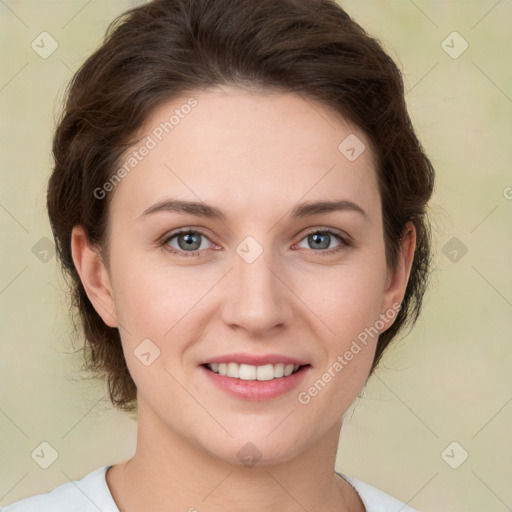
[[254, 156]]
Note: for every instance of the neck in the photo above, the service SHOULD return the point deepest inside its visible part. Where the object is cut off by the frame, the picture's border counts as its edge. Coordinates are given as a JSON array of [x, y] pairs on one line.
[[168, 472]]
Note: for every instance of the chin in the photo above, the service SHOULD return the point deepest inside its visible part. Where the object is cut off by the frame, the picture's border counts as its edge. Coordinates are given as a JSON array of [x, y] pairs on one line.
[[255, 447], [256, 454]]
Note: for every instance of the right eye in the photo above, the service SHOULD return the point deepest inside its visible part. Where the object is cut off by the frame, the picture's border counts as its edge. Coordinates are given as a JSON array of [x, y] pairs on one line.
[[188, 241]]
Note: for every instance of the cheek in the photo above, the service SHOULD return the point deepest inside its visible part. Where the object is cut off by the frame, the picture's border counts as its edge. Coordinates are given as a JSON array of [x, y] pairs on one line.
[[347, 298], [156, 307], [165, 305], [348, 304], [151, 297]]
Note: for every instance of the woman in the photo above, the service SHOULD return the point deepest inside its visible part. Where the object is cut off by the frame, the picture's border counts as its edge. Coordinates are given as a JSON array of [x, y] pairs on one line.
[[205, 150]]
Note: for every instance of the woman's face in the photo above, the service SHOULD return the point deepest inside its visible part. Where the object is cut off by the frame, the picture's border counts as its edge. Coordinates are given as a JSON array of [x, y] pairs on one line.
[[257, 281]]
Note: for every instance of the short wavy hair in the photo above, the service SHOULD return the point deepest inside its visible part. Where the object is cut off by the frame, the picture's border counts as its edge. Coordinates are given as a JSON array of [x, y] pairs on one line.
[[164, 49]]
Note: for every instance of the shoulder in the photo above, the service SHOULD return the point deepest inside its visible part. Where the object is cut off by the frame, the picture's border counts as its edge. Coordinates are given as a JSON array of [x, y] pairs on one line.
[[89, 494], [374, 499]]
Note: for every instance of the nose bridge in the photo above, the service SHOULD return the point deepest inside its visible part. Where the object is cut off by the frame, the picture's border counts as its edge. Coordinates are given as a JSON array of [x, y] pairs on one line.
[[257, 299]]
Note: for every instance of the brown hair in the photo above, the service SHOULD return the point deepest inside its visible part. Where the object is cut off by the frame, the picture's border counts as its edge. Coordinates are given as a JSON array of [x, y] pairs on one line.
[[167, 48]]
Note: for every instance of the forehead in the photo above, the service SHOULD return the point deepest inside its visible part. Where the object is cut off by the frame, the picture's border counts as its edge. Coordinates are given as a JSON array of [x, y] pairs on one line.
[[247, 152]]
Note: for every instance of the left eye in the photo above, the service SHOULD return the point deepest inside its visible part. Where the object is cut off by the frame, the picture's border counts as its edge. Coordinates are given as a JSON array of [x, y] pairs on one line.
[[322, 239]]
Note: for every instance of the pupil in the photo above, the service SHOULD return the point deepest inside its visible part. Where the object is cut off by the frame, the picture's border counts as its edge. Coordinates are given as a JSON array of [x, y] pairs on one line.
[[317, 241], [190, 239]]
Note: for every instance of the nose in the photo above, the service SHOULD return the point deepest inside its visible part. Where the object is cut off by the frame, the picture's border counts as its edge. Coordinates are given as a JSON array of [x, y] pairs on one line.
[[257, 298]]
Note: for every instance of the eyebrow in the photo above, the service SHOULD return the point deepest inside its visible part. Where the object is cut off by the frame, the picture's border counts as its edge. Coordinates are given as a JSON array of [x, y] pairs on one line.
[[201, 209]]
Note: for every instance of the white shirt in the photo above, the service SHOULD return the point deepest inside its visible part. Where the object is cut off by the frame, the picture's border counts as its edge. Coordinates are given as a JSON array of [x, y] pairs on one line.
[[92, 494]]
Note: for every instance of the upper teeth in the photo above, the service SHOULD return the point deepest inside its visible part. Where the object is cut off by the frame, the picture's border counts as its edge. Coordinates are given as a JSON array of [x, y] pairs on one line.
[[250, 372]]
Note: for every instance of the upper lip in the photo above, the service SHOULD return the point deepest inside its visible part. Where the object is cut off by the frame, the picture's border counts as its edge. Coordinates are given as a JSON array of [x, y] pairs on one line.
[[255, 359]]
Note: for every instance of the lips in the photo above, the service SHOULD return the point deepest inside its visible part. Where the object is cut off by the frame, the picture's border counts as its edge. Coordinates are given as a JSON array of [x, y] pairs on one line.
[[254, 389], [255, 376]]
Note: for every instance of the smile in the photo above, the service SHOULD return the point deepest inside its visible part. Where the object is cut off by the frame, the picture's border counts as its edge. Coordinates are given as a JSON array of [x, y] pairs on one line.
[[251, 372]]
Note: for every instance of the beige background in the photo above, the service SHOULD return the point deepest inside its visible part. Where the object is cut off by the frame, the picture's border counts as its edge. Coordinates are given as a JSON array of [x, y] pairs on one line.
[[448, 380]]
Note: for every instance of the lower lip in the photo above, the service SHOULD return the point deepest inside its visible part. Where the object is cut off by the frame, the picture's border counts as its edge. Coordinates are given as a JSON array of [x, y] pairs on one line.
[[257, 389]]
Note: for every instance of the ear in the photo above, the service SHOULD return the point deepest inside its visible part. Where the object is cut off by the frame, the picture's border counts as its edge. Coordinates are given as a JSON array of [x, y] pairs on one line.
[[396, 281], [94, 276]]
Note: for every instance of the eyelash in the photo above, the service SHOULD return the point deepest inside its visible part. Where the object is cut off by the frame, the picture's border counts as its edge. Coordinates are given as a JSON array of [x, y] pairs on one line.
[[345, 242]]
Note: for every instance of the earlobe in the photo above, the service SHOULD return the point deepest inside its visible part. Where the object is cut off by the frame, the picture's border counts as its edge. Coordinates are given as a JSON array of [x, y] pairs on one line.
[[94, 276], [396, 281]]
